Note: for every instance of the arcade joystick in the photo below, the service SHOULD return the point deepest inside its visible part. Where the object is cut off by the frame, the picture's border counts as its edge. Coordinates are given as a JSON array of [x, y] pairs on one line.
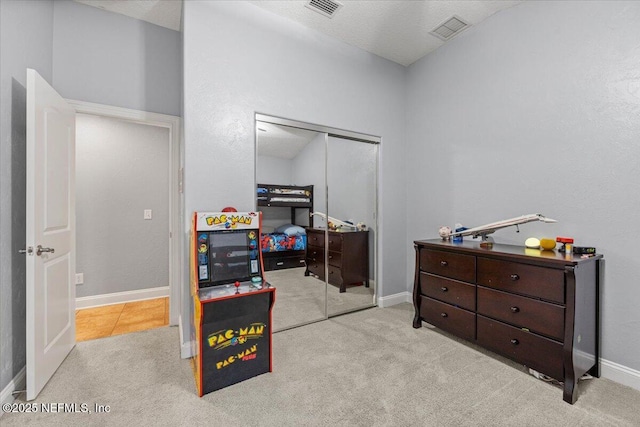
[[237, 285], [567, 243]]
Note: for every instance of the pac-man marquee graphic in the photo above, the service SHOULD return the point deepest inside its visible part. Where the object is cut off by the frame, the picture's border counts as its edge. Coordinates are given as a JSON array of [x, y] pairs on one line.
[[209, 221]]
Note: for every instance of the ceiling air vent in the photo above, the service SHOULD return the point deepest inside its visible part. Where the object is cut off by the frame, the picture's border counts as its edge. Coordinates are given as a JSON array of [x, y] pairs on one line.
[[450, 28], [327, 8]]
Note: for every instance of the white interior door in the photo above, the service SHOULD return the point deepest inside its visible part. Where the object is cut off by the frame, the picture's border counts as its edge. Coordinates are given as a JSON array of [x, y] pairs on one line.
[[50, 232]]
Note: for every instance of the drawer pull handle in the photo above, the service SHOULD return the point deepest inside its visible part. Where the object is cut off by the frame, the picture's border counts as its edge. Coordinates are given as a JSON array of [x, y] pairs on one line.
[[515, 309], [515, 341], [443, 314], [280, 263], [514, 277], [444, 263], [444, 289]]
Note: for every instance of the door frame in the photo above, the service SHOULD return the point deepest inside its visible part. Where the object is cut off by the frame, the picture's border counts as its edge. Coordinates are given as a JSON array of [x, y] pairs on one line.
[[176, 191]]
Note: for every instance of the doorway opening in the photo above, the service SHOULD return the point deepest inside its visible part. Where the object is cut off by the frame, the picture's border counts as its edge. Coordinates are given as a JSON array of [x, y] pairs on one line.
[[127, 216]]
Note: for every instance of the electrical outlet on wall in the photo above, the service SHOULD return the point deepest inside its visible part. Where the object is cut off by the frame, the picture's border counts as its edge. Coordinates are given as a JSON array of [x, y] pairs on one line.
[[147, 214], [79, 278]]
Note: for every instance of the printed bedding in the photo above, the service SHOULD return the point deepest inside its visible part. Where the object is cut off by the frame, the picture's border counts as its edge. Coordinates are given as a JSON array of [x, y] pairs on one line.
[[278, 242]]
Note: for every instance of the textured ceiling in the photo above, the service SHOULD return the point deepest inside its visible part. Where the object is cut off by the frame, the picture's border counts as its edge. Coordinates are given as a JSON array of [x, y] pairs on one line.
[[397, 30], [165, 13]]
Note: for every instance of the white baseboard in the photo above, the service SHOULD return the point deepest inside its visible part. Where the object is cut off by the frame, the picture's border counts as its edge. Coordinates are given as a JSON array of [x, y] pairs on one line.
[[395, 299], [122, 297], [620, 373], [185, 350], [17, 383], [185, 346]]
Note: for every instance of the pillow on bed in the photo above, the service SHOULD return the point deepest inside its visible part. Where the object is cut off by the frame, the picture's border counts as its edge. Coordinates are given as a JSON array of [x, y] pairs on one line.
[[291, 230]]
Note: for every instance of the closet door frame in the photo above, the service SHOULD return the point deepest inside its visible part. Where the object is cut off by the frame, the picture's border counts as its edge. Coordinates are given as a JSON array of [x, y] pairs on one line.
[[340, 133]]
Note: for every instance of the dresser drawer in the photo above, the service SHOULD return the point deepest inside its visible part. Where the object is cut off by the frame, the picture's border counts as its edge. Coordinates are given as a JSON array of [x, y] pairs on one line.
[[316, 267], [335, 276], [536, 352], [449, 318], [315, 238], [315, 253], [450, 291], [448, 264], [537, 316], [335, 259], [335, 242], [538, 282]]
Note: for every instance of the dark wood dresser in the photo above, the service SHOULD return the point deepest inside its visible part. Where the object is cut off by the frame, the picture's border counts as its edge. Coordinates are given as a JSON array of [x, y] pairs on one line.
[[538, 308], [347, 260]]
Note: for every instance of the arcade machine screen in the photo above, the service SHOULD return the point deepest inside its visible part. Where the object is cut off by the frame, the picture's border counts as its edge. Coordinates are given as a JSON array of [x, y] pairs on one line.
[[227, 256]]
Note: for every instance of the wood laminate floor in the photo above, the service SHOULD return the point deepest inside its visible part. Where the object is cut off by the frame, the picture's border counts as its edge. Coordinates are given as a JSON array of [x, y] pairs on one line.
[[116, 319]]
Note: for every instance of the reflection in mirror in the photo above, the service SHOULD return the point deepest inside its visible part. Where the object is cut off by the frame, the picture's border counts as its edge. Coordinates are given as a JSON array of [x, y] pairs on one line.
[[290, 178], [351, 183]]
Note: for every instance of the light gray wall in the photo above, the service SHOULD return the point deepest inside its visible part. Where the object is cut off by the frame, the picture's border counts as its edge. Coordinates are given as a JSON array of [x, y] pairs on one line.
[[309, 169], [351, 171], [537, 109], [26, 30], [111, 59], [273, 170], [240, 59], [122, 168]]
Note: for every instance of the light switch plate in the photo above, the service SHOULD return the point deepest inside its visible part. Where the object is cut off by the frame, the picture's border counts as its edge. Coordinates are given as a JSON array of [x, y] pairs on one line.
[[147, 214]]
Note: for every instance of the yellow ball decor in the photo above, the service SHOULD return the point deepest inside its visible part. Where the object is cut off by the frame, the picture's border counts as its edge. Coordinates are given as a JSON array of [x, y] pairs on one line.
[[532, 243], [548, 244]]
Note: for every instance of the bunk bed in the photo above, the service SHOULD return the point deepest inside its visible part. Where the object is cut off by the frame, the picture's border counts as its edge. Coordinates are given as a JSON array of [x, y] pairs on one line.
[[285, 246]]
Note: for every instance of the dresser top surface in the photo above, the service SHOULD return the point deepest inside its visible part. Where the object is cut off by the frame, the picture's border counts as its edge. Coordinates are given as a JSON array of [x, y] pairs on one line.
[[511, 252]]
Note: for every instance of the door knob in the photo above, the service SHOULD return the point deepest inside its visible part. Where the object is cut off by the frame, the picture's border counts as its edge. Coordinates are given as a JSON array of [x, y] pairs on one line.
[[40, 250]]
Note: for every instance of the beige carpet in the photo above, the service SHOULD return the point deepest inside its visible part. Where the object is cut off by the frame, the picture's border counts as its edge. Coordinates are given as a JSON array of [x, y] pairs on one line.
[[369, 368], [301, 299]]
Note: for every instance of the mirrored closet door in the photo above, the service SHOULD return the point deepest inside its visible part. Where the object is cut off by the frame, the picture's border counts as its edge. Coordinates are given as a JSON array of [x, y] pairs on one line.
[[316, 187], [290, 185], [352, 168]]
